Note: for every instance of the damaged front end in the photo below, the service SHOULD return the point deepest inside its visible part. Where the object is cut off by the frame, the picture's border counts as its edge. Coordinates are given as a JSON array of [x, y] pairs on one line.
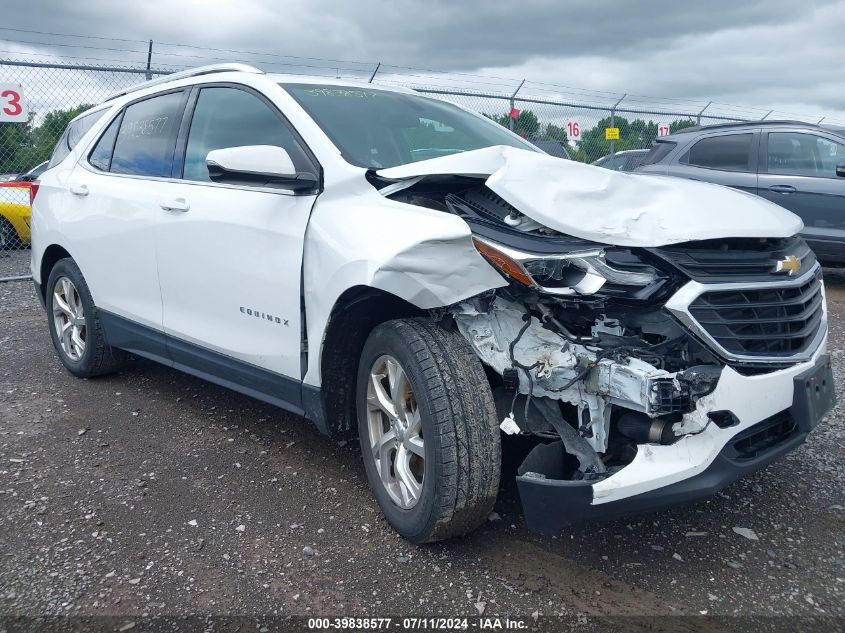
[[650, 374]]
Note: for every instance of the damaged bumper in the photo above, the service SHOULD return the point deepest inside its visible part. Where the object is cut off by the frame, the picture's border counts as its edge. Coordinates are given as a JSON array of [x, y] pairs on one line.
[[771, 415]]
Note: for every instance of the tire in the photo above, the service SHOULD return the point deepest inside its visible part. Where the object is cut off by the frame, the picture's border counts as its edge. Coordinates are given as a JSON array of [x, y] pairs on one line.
[[448, 399], [69, 301], [9, 239]]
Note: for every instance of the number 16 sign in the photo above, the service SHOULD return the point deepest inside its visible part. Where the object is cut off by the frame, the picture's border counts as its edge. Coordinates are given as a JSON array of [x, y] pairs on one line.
[[12, 106], [573, 130]]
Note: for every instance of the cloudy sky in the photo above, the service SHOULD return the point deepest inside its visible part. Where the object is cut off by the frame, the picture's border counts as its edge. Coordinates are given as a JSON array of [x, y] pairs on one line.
[[774, 54]]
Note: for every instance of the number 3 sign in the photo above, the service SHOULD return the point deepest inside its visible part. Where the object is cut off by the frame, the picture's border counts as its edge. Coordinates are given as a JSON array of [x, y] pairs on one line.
[[12, 107]]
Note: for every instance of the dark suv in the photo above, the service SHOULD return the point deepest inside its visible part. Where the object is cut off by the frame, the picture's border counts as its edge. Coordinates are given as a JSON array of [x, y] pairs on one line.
[[797, 165]]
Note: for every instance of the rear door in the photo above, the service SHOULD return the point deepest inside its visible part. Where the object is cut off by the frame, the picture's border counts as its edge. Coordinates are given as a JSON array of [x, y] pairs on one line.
[[723, 158], [230, 256], [798, 172], [111, 210]]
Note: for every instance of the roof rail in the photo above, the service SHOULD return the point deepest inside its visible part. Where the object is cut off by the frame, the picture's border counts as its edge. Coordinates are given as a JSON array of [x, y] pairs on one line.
[[191, 72]]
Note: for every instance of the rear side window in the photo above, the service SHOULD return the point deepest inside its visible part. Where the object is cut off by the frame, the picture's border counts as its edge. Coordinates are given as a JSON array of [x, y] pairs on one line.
[[729, 152], [658, 152], [72, 135], [147, 136], [101, 155]]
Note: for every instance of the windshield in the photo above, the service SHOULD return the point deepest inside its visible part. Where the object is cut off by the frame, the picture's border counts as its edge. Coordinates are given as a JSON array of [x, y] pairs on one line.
[[377, 129]]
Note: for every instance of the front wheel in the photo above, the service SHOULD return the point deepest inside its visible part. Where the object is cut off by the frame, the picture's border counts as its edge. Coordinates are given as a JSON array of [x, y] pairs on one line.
[[428, 430]]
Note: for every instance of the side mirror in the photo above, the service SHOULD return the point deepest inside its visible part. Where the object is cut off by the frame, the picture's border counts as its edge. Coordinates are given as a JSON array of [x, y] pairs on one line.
[[259, 166], [840, 171]]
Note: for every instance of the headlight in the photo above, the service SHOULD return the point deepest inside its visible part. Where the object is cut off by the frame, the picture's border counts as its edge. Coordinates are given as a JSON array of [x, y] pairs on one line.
[[581, 272]]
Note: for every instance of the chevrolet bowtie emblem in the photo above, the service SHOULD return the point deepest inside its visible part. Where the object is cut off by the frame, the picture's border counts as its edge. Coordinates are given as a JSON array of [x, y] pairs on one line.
[[789, 264]]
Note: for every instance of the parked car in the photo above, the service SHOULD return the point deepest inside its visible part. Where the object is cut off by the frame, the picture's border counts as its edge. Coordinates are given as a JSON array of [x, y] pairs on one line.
[[14, 216], [14, 208], [33, 174], [657, 337], [626, 160], [797, 165], [553, 148]]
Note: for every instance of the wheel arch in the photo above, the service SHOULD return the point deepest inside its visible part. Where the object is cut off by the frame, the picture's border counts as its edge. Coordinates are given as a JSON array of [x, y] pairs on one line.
[[354, 315], [52, 254]]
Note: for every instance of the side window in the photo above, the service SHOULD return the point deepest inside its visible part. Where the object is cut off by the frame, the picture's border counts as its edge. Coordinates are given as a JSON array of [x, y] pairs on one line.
[[229, 117], [615, 163], [658, 152], [729, 152], [797, 154], [71, 136], [81, 126], [147, 136], [101, 154], [831, 154]]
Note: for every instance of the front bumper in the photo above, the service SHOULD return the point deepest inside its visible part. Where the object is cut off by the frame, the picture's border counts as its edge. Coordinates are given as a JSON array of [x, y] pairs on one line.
[[692, 468]]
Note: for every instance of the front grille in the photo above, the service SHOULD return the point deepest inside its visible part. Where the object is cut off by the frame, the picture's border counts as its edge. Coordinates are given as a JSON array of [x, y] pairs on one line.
[[730, 260], [766, 322]]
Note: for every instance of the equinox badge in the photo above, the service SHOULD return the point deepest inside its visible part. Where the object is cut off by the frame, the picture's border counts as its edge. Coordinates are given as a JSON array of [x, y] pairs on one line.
[[789, 264]]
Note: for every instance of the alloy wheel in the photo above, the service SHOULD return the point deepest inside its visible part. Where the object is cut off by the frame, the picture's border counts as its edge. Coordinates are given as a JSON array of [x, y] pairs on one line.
[[395, 432], [69, 318]]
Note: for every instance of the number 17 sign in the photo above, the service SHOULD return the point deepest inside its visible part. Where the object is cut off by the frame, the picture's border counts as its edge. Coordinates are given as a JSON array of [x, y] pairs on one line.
[[12, 106]]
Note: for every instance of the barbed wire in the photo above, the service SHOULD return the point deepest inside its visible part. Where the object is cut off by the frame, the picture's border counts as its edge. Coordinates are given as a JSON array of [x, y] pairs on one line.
[[445, 78]]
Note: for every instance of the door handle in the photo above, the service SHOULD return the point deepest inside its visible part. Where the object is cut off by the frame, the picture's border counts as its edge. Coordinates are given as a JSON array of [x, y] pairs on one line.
[[783, 189], [175, 204], [79, 190]]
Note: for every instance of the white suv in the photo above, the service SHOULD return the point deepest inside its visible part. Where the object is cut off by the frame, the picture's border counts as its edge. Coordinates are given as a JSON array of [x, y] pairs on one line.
[[394, 265]]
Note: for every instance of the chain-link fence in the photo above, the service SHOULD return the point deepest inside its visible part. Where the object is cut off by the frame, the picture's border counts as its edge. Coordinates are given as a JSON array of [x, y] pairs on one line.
[[54, 93], [14, 229]]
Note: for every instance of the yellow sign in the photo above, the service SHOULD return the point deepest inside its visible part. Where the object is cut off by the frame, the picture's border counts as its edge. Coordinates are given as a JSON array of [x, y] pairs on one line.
[[611, 134]]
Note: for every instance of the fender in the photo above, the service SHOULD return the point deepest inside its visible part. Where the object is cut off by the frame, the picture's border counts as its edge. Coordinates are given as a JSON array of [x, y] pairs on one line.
[[423, 256]]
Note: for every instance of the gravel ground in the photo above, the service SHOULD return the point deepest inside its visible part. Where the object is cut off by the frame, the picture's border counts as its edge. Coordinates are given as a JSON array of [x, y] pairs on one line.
[[14, 263], [151, 492]]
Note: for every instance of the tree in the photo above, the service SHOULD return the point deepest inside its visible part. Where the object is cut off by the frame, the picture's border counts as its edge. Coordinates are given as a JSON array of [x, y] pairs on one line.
[[24, 145], [636, 134], [528, 126]]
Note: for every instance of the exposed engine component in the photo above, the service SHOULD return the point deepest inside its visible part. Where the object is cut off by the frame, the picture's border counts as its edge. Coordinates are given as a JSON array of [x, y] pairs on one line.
[[645, 430], [545, 364]]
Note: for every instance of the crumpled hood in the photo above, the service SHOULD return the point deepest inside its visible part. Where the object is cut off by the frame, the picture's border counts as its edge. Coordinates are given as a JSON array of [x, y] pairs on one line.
[[610, 207]]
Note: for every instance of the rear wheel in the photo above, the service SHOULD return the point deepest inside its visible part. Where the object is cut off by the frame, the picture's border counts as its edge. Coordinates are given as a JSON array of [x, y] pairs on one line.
[[428, 430], [75, 324]]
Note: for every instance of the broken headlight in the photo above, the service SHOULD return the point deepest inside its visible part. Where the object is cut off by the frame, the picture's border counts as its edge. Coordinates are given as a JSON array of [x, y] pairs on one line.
[[582, 272]]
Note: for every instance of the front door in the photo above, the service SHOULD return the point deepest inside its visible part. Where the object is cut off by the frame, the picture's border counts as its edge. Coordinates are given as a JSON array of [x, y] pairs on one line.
[[230, 256], [799, 173]]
